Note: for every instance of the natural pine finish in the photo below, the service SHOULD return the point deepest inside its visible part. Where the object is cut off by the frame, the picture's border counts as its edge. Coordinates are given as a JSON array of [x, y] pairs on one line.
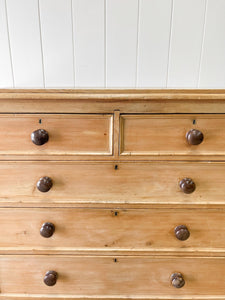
[[166, 135], [68, 134], [112, 230], [115, 160], [112, 183], [111, 276]]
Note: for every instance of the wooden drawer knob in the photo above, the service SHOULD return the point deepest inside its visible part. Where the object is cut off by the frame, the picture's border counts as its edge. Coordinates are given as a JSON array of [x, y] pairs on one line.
[[177, 280], [50, 278], [194, 137], [47, 230], [187, 185], [44, 184], [181, 232], [39, 137]]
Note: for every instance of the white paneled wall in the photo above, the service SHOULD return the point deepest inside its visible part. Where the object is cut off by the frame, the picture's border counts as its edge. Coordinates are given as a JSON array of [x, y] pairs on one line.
[[89, 42], [187, 30], [112, 43], [153, 42], [6, 75], [25, 42]]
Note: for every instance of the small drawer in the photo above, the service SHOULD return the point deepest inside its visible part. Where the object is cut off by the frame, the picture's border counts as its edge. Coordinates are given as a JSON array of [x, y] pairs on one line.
[[106, 182], [107, 276], [171, 135], [63, 230], [56, 134]]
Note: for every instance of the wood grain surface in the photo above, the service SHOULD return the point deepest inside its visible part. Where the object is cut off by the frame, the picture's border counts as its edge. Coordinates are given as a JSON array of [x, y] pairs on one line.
[[108, 230], [110, 182], [106, 101], [68, 134], [111, 276], [166, 135]]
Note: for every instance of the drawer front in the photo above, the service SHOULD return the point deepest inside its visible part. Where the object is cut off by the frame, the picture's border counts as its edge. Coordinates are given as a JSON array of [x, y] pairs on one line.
[[112, 276], [156, 182], [167, 135], [48, 230], [70, 134]]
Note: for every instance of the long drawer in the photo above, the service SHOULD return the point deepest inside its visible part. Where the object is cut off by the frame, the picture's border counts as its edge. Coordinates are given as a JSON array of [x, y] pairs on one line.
[[165, 230], [111, 276], [62, 134], [71, 182], [172, 135]]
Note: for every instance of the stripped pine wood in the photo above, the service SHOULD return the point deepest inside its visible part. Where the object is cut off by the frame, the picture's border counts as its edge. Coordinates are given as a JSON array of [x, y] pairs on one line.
[[107, 101], [146, 135], [114, 231], [128, 183], [108, 277], [68, 134]]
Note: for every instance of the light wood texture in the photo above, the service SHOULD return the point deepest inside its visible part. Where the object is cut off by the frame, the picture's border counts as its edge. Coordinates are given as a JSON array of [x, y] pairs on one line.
[[6, 72], [153, 43], [68, 134], [186, 43], [140, 183], [121, 43], [88, 35], [25, 41], [137, 231], [166, 135], [103, 276], [71, 297], [57, 43], [107, 101]]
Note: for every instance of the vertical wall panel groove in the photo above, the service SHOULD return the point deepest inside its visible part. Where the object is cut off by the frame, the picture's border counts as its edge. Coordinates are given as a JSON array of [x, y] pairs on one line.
[[153, 47], [56, 28], [202, 42], [112, 43], [169, 45], [188, 25], [121, 31], [42, 56], [6, 71], [105, 53], [212, 73], [89, 42], [137, 44], [23, 21], [73, 43]]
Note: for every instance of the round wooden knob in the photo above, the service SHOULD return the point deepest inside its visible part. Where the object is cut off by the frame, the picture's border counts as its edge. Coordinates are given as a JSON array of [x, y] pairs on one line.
[[177, 280], [39, 137], [187, 185], [44, 184], [47, 229], [50, 278], [181, 232], [194, 137]]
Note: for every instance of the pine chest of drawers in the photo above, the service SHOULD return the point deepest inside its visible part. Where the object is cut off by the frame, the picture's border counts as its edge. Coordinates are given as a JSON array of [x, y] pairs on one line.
[[112, 194]]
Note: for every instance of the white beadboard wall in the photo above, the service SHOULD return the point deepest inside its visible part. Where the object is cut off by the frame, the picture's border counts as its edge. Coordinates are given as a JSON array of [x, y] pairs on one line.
[[112, 43]]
